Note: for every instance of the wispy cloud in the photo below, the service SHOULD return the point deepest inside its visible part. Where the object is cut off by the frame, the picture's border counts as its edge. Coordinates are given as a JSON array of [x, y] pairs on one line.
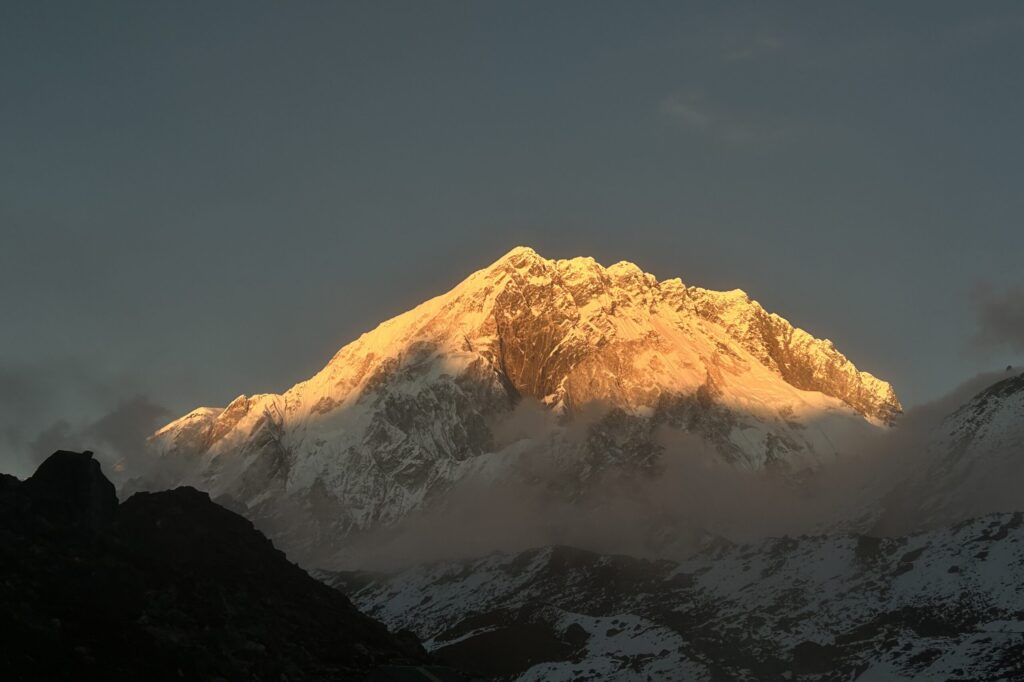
[[118, 437], [742, 47], [69, 403], [697, 114], [690, 110]]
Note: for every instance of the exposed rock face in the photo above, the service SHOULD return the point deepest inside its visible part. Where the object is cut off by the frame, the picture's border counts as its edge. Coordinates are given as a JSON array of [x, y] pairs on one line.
[[167, 586], [801, 359], [409, 408], [940, 605]]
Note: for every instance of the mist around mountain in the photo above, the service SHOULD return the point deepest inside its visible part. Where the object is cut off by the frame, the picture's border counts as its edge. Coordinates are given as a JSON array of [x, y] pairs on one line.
[[565, 387], [893, 482], [944, 601], [564, 402]]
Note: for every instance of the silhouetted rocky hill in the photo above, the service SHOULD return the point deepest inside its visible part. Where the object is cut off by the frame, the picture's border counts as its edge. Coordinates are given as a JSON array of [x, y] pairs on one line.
[[166, 586]]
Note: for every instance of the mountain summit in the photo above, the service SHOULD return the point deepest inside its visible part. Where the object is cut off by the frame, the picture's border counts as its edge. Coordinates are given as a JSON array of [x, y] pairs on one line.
[[407, 409]]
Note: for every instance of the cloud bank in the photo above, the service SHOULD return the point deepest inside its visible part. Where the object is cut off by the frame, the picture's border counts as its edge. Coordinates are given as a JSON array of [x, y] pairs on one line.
[[688, 499]]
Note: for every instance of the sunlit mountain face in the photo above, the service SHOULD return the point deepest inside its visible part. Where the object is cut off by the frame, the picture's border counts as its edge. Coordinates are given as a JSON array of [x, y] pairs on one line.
[[554, 376]]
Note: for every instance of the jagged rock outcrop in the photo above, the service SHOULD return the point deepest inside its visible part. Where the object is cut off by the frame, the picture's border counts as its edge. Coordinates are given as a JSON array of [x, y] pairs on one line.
[[802, 360], [166, 586], [406, 410]]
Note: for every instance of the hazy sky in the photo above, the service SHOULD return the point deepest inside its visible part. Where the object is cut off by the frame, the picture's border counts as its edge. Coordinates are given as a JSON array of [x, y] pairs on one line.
[[204, 199]]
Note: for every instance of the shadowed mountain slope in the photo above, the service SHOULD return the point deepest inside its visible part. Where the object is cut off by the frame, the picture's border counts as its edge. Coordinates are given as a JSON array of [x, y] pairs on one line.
[[166, 586]]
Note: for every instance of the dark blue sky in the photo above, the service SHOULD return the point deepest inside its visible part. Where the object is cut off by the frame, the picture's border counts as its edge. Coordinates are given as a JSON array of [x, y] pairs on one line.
[[204, 199]]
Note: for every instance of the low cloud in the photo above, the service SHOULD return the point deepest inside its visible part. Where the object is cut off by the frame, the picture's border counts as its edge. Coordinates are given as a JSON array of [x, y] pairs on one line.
[[57, 436], [19, 400], [30, 399], [67, 405], [691, 497], [117, 438], [1000, 318], [123, 431]]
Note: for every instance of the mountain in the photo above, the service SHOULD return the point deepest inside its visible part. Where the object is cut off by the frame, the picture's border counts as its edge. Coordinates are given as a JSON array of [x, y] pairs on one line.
[[974, 463], [165, 586], [947, 604], [612, 360]]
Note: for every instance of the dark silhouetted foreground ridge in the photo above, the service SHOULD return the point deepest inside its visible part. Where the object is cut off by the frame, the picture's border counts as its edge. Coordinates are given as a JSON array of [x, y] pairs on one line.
[[166, 586]]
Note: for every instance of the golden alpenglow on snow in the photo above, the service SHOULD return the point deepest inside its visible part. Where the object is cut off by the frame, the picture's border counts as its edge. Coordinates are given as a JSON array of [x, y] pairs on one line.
[[608, 359]]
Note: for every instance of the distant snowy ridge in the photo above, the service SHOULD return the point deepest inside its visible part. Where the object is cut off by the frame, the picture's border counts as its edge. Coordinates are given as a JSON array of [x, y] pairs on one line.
[[975, 462], [945, 604]]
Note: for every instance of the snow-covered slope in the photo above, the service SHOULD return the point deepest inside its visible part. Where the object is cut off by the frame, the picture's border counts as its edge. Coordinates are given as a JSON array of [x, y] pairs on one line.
[[975, 462], [942, 605], [418, 403]]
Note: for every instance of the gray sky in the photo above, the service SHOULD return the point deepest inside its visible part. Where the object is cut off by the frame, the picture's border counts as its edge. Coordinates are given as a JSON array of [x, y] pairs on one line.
[[199, 200]]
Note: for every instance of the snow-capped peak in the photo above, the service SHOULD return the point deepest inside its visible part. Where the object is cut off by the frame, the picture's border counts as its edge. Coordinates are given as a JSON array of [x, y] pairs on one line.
[[408, 408], [542, 322]]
